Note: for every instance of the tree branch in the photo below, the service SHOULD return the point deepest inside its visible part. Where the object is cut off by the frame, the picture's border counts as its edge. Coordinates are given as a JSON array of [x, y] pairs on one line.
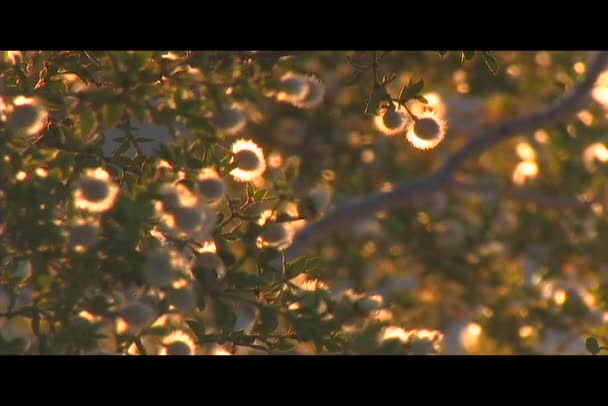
[[407, 191], [526, 196]]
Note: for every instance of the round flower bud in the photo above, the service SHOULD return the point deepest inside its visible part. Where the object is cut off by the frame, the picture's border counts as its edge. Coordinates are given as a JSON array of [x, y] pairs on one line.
[[427, 132], [392, 120], [249, 160], [26, 116], [232, 120], [178, 343], [96, 192], [314, 97]]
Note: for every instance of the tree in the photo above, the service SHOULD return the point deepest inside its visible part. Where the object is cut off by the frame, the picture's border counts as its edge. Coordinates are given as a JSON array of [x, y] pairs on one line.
[[302, 202]]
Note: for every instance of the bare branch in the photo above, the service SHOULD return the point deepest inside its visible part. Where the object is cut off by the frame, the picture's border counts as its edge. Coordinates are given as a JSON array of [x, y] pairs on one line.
[[526, 196], [407, 191]]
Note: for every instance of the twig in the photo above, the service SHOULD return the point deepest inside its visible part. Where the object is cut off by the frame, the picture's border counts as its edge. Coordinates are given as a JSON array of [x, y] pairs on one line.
[[407, 191]]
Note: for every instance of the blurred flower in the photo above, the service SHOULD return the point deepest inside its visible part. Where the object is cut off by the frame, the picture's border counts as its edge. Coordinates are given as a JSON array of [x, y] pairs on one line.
[[249, 160], [210, 186], [435, 104], [594, 152], [196, 222], [523, 171], [279, 235], [394, 332], [525, 151], [294, 87], [178, 342], [427, 132], [176, 195], [600, 91], [25, 115], [232, 120], [83, 234], [315, 95], [219, 350], [392, 120], [95, 192], [414, 341], [163, 267], [300, 90]]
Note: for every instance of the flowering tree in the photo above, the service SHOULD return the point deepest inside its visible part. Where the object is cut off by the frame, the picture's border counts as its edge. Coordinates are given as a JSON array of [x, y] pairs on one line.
[[278, 202]]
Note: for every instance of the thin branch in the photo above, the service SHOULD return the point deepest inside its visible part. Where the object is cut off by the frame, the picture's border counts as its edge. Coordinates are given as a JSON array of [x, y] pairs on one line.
[[526, 196], [407, 191]]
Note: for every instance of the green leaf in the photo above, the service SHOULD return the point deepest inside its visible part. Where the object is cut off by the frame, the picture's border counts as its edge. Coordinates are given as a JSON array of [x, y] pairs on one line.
[[112, 113], [270, 275], [87, 123], [300, 265], [412, 90], [250, 189], [491, 62], [467, 55], [260, 194], [421, 99], [224, 315], [269, 319]]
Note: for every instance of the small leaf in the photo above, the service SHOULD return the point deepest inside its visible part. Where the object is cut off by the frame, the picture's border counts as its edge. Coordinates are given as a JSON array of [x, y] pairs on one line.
[[417, 87], [250, 189], [491, 62], [269, 319], [87, 123], [467, 55], [412, 91], [592, 345], [260, 194], [421, 99], [300, 265]]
